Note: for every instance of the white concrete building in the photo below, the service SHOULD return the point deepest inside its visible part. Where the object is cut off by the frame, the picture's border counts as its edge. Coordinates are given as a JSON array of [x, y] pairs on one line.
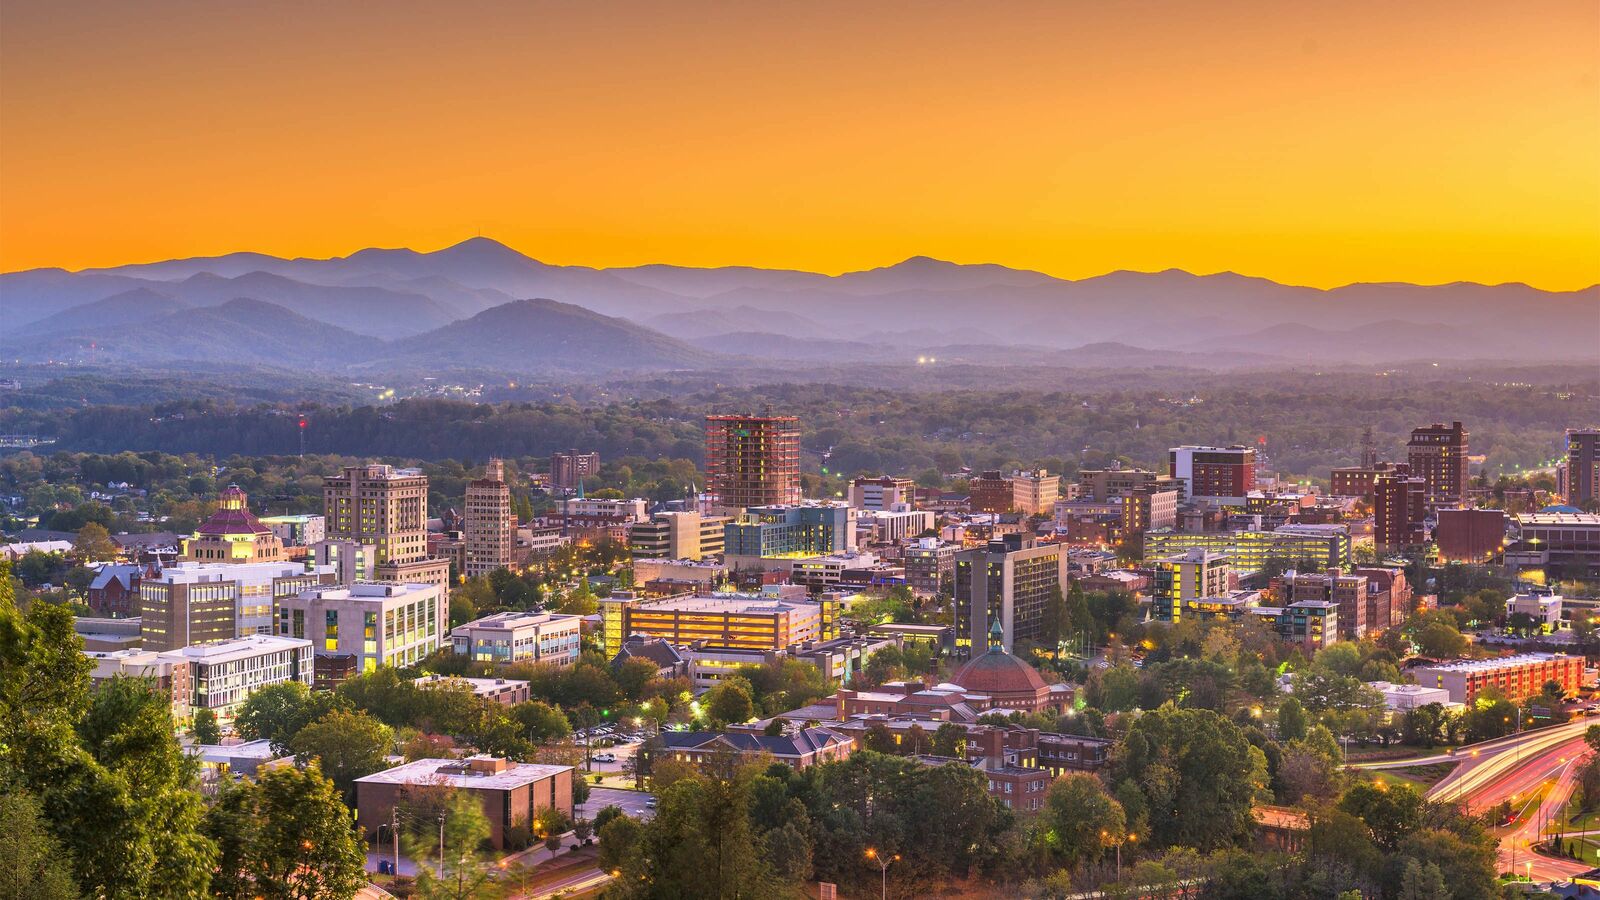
[[1410, 696], [507, 637], [358, 628], [222, 675]]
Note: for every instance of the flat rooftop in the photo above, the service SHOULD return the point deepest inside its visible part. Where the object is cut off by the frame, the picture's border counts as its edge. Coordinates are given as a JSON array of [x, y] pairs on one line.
[[1492, 665], [1570, 519], [513, 620], [723, 603], [237, 648], [250, 573], [427, 771], [478, 685]]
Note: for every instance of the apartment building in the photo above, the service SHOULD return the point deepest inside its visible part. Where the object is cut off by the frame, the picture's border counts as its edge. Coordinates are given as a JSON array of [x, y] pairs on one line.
[[1437, 454], [568, 468]]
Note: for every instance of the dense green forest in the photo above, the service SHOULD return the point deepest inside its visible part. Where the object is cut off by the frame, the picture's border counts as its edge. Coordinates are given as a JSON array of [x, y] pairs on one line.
[[1309, 423]]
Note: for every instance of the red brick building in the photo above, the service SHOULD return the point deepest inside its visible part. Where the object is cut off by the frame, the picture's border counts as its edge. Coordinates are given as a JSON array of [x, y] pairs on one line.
[[1400, 502], [512, 793], [1470, 535], [1437, 454], [114, 593]]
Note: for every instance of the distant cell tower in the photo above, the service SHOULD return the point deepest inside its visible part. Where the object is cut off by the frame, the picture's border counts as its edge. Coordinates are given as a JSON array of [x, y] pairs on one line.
[[302, 435], [1369, 449]]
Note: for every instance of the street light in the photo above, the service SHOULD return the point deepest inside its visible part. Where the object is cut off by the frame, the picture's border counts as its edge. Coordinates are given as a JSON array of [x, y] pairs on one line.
[[1105, 838], [883, 869]]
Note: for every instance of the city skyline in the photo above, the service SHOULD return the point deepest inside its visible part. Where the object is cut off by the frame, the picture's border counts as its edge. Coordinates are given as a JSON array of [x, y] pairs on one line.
[[1426, 144]]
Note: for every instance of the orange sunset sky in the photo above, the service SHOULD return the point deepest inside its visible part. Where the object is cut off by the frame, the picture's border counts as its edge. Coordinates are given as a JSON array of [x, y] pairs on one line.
[[1312, 143]]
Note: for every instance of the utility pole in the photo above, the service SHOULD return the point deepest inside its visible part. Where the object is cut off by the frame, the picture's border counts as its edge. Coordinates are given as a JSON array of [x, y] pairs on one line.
[[441, 845], [394, 832]]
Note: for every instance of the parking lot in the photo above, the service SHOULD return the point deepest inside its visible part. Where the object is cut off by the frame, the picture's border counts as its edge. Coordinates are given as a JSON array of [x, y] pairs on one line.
[[632, 802]]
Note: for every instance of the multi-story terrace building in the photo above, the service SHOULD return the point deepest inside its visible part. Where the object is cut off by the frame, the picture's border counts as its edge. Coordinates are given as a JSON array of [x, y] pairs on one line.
[[508, 637]]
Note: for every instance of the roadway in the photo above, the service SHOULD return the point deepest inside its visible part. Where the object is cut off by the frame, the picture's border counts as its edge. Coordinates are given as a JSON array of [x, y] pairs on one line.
[[1516, 769]]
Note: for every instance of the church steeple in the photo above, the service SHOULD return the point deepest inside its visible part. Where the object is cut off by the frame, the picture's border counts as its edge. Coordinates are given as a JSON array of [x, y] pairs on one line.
[[997, 635]]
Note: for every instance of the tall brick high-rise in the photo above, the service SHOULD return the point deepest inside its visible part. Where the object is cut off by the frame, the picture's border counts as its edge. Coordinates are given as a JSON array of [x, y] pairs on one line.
[[491, 530], [1583, 466], [568, 468], [1437, 454], [1399, 504], [387, 508], [752, 460]]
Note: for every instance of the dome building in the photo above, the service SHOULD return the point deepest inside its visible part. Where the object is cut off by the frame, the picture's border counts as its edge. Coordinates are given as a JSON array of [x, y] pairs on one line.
[[1009, 682], [233, 534]]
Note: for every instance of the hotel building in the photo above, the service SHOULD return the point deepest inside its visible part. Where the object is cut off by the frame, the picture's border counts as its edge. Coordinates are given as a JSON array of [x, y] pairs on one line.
[[1517, 677], [752, 461], [1437, 454], [490, 528]]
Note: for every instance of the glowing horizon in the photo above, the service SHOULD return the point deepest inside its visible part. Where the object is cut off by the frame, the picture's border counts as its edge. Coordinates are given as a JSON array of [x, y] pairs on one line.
[[1427, 143]]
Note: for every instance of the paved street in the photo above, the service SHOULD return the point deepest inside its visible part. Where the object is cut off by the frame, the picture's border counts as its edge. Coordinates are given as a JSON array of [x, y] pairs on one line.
[[1515, 768]]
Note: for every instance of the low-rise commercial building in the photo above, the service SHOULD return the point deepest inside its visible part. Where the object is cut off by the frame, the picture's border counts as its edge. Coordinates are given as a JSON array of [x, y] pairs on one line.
[[884, 493], [505, 691], [508, 637], [198, 602], [222, 675], [1566, 542], [883, 526], [677, 535], [297, 531], [1543, 610], [512, 793], [749, 621]]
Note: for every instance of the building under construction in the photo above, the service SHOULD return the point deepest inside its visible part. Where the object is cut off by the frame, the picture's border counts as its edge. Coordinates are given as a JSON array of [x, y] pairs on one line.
[[752, 460]]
